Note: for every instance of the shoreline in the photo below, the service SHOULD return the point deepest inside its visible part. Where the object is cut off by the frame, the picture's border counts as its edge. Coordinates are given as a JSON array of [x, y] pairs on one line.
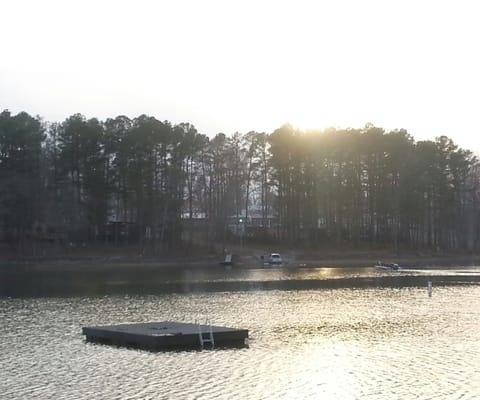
[[331, 260]]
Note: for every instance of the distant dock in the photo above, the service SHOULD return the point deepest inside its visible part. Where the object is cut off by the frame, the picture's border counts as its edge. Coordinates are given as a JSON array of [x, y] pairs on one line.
[[166, 335]]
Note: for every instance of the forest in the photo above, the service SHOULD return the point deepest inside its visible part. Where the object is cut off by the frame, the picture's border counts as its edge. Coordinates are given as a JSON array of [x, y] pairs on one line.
[[166, 187]]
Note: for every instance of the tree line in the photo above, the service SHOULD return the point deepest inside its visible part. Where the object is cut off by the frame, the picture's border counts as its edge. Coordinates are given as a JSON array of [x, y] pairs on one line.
[[164, 185]]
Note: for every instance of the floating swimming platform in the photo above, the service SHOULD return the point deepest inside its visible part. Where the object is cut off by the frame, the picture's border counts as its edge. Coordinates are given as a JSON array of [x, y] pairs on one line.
[[166, 335]]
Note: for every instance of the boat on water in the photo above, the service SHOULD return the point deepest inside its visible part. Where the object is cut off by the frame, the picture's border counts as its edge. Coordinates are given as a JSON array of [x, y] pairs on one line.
[[275, 259], [387, 266], [272, 259]]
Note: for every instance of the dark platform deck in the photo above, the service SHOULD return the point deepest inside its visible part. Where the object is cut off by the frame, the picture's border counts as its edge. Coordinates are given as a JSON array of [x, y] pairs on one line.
[[165, 335]]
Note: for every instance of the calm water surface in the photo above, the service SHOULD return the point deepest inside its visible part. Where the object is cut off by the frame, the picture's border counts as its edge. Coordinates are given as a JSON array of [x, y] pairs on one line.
[[347, 343], [117, 280]]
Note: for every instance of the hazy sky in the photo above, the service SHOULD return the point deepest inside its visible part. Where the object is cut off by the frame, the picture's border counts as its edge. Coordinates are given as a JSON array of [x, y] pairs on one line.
[[248, 65]]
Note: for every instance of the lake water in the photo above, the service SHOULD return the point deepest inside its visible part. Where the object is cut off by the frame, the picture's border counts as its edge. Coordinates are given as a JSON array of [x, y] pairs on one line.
[[376, 342]]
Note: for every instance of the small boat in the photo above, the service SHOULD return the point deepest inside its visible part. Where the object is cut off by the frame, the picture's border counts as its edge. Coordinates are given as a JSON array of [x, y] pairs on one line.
[[275, 259], [387, 266]]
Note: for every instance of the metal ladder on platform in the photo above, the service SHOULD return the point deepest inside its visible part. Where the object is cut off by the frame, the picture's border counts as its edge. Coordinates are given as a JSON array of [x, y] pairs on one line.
[[201, 334]]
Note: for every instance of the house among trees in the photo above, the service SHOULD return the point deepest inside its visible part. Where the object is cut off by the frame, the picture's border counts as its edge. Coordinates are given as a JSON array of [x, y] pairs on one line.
[[255, 222]]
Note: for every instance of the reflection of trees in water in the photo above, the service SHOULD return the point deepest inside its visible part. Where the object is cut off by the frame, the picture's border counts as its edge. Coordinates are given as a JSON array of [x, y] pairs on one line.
[[116, 282]]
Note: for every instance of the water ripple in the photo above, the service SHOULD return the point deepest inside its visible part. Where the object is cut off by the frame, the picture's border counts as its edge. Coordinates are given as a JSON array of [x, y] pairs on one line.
[[378, 343]]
